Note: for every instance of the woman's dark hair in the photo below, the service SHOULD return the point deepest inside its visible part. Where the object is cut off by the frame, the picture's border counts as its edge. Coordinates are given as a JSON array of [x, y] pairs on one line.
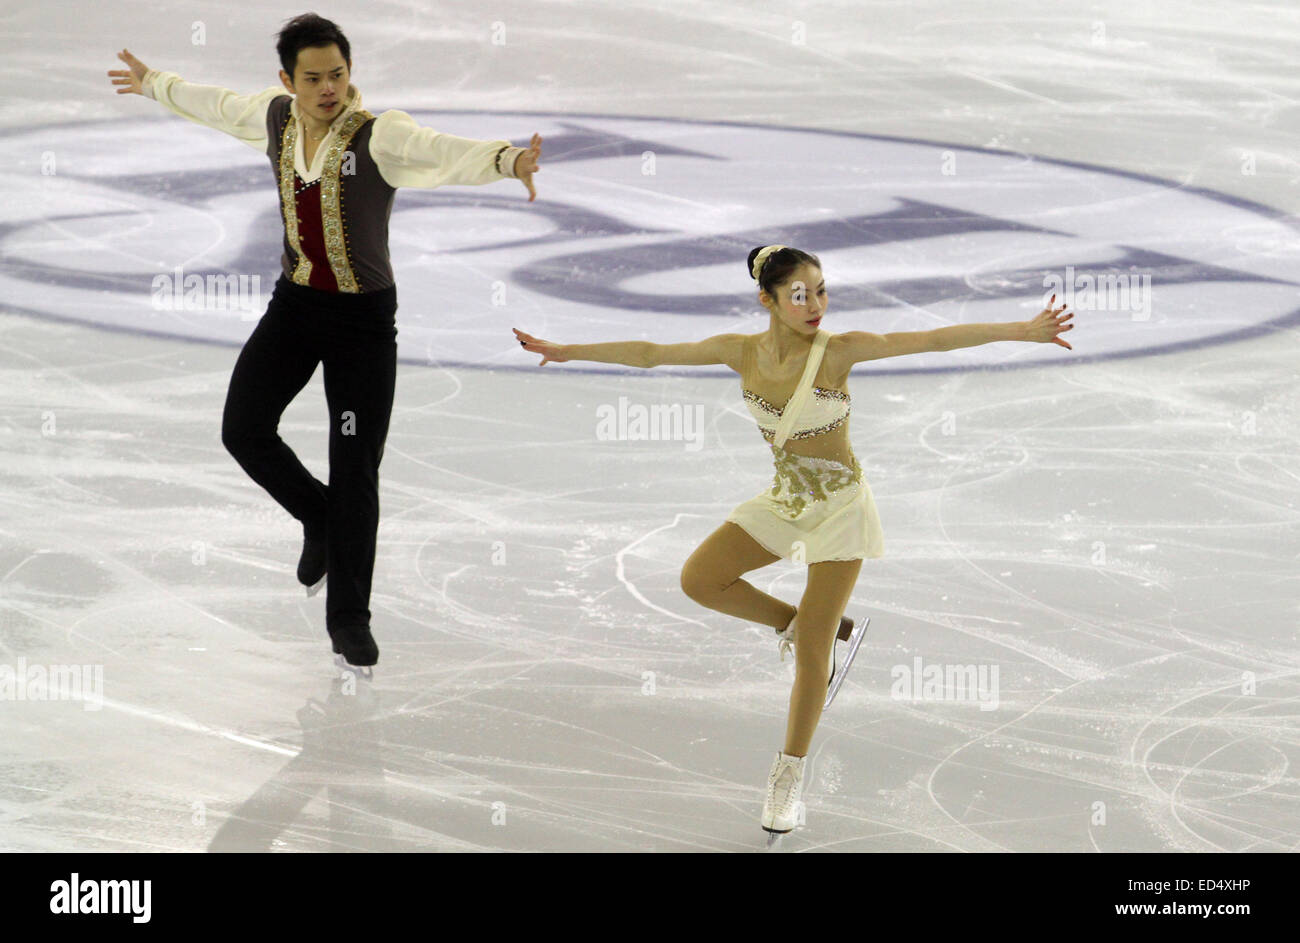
[[778, 268], [309, 30]]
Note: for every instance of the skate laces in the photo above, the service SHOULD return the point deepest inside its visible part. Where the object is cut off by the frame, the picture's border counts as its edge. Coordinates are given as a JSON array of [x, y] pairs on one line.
[[783, 787], [785, 643]]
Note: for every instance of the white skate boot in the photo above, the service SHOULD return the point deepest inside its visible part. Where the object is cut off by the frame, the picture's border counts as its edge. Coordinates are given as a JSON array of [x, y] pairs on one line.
[[786, 635], [783, 807], [848, 633], [854, 643]]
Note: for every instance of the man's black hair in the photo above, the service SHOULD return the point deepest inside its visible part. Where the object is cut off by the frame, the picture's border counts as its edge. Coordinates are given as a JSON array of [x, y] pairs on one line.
[[308, 30]]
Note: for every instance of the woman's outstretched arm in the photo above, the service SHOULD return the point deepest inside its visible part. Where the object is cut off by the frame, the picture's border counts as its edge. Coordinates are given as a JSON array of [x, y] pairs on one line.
[[856, 346], [721, 348]]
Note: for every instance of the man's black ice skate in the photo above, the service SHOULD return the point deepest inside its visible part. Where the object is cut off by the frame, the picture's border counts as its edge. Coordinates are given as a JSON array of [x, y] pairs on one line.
[[355, 649], [313, 563]]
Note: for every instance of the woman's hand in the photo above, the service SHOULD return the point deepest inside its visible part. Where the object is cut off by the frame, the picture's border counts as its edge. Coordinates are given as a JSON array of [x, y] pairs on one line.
[[550, 352], [526, 165], [1048, 325], [131, 78]]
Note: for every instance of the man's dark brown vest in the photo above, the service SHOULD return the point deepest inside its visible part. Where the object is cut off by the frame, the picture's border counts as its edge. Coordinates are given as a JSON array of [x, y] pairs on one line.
[[336, 229]]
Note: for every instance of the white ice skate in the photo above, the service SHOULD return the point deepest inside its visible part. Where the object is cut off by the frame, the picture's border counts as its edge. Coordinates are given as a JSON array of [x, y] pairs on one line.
[[852, 635], [783, 808], [837, 677]]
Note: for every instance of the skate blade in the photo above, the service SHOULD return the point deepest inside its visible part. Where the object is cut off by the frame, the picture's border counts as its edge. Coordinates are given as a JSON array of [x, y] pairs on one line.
[[855, 641], [801, 819], [774, 837], [361, 671], [315, 587]]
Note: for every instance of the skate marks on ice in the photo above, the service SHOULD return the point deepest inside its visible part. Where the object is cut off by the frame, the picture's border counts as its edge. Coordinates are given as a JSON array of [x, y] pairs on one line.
[[524, 682]]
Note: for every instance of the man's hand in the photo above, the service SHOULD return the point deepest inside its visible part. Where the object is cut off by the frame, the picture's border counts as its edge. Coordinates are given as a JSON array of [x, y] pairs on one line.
[[133, 77], [526, 166]]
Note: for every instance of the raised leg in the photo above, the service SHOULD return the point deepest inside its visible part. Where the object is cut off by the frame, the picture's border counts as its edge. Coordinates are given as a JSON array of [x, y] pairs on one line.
[[711, 577], [274, 366]]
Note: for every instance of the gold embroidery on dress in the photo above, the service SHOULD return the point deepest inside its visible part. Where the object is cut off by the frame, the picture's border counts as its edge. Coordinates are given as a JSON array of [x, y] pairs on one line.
[[818, 391], [801, 480], [333, 225]]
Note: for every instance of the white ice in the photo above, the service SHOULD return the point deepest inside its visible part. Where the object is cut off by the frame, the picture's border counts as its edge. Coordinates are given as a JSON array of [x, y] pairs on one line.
[[1116, 535]]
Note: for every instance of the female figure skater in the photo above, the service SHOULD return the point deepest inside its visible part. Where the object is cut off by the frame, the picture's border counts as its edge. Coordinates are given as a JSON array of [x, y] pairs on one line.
[[819, 509]]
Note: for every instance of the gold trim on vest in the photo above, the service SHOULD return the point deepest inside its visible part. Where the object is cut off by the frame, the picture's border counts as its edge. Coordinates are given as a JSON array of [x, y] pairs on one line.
[[335, 230], [301, 274]]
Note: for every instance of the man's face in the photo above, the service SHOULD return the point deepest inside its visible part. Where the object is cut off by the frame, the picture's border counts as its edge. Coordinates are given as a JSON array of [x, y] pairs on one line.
[[320, 80]]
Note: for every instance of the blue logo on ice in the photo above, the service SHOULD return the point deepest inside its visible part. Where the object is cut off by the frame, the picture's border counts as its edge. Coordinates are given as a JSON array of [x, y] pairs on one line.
[[641, 229]]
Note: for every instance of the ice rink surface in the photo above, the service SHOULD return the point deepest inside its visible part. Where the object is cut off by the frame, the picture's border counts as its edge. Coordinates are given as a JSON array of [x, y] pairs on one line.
[[1110, 533]]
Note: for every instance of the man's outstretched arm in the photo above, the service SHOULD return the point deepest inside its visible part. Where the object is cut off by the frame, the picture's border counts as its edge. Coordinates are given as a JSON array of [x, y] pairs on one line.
[[241, 116], [409, 155]]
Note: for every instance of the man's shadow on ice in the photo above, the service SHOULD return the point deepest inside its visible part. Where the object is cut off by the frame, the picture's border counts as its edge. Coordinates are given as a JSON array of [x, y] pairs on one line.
[[342, 743]]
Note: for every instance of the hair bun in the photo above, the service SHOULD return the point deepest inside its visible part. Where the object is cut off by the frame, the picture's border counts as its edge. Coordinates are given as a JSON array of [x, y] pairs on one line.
[[760, 259]]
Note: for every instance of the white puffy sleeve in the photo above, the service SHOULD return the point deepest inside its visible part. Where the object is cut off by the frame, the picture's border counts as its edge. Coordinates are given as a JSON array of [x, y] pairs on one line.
[[241, 116], [409, 155]]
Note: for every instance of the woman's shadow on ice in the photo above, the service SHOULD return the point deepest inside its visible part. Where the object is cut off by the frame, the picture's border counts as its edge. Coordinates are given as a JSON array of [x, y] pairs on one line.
[[341, 758]]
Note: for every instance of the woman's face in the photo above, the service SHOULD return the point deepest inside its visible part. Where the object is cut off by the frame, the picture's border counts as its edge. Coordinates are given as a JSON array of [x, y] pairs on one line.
[[801, 302]]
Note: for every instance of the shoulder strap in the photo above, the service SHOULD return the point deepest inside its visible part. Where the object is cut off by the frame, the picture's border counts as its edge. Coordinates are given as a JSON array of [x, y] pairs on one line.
[[801, 392]]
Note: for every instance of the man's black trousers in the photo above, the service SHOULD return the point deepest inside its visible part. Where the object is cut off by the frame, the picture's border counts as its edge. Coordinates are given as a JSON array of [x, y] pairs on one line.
[[355, 337]]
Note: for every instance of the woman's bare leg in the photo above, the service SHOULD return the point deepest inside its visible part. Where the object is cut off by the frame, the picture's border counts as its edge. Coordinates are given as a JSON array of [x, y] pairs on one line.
[[830, 584], [711, 577]]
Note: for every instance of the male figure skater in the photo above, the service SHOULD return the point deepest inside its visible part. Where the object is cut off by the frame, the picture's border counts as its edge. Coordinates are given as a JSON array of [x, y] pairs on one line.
[[337, 167]]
